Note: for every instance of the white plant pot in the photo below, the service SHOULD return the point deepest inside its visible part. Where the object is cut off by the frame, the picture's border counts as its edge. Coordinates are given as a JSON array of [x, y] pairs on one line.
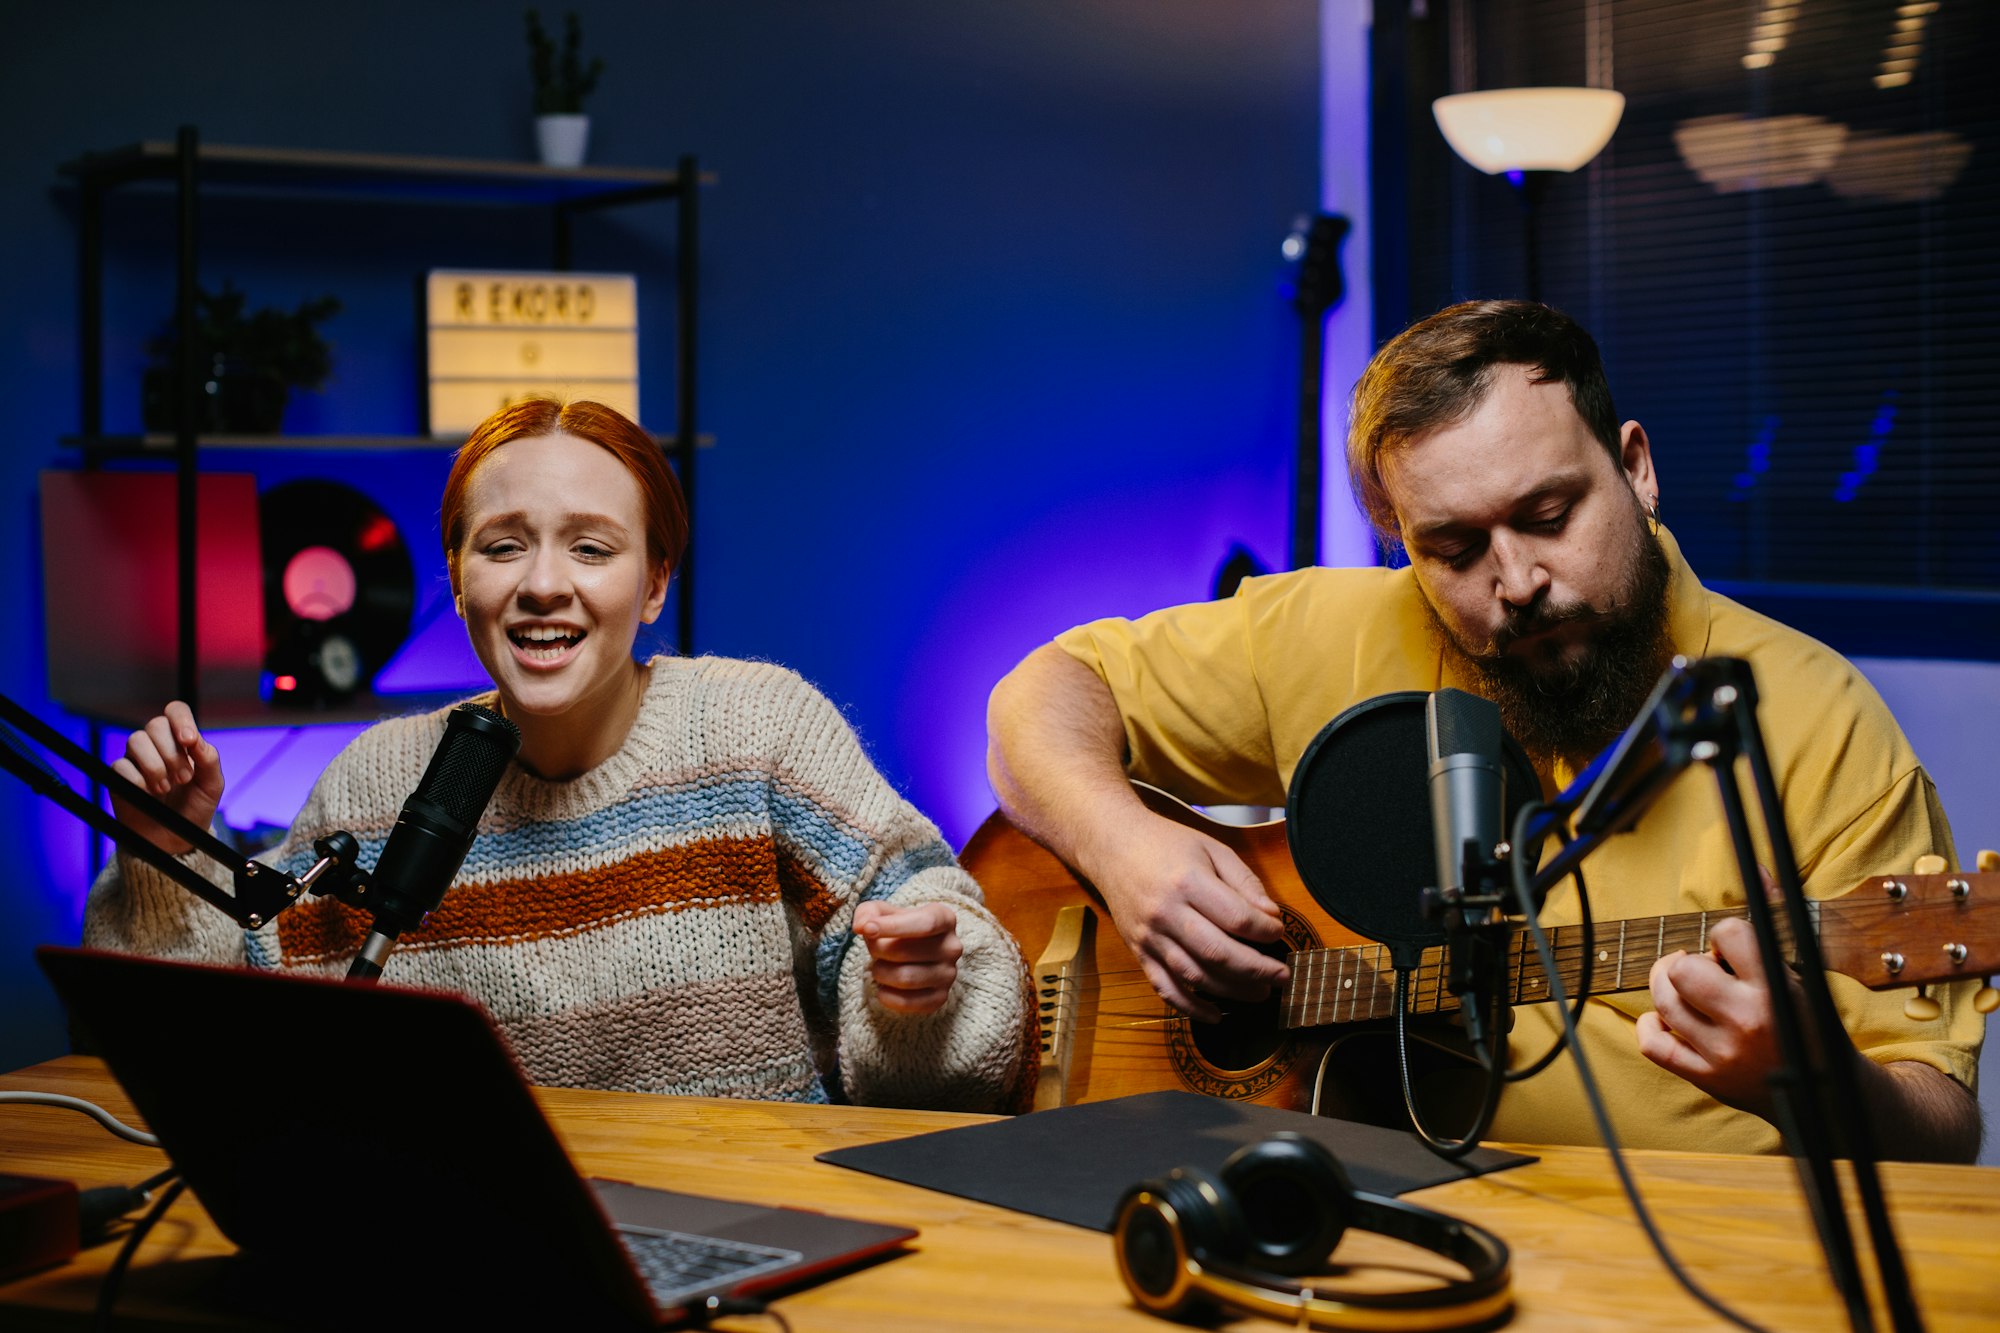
[[563, 139]]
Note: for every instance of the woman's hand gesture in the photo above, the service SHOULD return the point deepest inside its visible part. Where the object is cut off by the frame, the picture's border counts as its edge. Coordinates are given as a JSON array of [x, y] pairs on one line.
[[913, 953], [169, 758]]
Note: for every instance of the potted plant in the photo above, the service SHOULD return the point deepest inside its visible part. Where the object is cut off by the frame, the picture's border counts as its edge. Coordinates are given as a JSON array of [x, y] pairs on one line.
[[561, 83], [249, 363]]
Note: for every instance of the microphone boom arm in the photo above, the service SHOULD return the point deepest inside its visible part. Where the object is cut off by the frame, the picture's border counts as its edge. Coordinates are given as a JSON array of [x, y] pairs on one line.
[[261, 891]]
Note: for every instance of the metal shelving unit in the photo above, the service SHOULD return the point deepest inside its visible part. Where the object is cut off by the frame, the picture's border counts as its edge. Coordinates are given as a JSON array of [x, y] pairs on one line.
[[191, 169]]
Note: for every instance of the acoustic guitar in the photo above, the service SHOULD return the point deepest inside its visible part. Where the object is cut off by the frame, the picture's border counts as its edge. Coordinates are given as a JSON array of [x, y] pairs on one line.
[[1106, 1033]]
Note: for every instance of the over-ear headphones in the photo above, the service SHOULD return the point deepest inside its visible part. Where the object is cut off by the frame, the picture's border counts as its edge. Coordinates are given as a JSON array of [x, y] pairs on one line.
[[1192, 1244]]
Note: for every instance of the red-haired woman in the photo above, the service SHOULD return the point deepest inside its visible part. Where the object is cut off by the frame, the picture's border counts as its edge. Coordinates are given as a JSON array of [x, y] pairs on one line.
[[665, 890]]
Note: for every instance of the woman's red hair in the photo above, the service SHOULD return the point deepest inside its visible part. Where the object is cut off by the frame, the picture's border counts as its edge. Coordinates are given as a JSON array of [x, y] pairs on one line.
[[659, 488]]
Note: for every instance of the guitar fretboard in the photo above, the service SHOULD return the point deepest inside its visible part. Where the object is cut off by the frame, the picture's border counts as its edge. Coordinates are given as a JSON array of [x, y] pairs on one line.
[[1355, 983]]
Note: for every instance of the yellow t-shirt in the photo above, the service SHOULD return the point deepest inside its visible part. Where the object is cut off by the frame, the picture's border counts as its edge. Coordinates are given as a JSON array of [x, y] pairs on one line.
[[1220, 699]]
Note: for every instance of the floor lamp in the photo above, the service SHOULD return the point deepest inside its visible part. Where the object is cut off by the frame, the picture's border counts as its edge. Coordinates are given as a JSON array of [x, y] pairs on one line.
[[1526, 134]]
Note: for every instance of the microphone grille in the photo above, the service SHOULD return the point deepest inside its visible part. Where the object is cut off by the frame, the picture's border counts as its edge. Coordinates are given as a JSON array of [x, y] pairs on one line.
[[1459, 723], [470, 761]]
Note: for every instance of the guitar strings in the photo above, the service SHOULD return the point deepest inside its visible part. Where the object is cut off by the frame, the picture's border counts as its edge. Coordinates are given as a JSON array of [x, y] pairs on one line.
[[1316, 995], [1130, 1015]]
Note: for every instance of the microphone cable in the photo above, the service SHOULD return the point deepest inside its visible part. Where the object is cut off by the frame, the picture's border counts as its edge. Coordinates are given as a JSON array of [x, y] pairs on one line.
[[1583, 976], [1494, 1063], [1524, 894]]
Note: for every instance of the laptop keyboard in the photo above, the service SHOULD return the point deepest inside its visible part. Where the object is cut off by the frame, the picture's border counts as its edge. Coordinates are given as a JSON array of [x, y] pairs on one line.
[[675, 1265]]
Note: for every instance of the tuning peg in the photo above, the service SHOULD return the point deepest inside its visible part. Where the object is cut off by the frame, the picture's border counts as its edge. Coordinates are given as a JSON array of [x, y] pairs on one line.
[[1930, 863], [1921, 1008], [1987, 999], [1989, 860]]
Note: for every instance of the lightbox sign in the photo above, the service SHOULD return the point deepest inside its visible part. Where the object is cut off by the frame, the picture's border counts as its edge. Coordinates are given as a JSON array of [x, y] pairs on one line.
[[495, 338]]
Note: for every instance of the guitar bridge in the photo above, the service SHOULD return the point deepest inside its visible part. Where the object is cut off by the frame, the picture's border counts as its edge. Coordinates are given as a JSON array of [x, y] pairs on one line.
[[1060, 975]]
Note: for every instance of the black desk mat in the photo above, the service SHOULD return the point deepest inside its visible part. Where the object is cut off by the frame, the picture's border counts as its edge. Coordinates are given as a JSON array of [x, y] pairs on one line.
[[1074, 1163]]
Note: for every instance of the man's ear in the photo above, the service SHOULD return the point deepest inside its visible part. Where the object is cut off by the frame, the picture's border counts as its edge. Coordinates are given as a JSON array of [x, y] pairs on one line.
[[1635, 455]]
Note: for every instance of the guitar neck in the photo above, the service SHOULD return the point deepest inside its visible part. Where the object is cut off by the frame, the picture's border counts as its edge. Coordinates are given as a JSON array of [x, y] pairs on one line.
[[1357, 983]]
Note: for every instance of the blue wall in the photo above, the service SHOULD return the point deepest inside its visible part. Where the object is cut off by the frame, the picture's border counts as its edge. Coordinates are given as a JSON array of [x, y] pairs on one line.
[[993, 332]]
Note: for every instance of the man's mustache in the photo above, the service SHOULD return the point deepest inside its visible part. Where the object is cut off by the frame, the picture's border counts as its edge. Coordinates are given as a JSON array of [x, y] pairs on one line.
[[1538, 619]]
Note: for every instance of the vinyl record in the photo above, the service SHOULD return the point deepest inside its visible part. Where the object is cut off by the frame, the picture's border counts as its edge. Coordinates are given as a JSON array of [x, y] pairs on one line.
[[339, 590], [1358, 819]]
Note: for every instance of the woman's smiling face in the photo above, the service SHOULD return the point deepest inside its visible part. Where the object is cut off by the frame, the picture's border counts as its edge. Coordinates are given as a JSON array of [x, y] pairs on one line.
[[555, 576]]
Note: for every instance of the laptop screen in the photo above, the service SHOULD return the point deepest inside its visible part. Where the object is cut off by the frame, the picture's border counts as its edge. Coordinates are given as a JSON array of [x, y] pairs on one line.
[[358, 1140]]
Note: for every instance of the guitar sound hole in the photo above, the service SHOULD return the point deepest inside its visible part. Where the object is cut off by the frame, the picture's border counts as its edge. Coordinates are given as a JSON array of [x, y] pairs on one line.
[[1244, 1037], [1247, 1034]]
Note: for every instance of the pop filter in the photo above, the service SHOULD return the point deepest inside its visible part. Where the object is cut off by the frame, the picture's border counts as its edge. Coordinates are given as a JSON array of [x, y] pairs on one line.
[[1358, 819]]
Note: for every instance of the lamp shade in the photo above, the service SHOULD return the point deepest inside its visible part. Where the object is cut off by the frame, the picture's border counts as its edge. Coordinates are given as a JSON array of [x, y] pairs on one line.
[[1529, 129]]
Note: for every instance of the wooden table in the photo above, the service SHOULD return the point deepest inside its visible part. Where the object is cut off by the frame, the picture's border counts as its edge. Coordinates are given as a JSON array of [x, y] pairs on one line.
[[1580, 1259]]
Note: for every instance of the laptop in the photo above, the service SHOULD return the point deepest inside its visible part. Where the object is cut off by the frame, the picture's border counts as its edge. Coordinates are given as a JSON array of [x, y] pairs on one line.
[[375, 1152]]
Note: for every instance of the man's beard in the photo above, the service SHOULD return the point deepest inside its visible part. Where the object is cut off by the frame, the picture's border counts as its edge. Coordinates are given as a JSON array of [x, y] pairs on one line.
[[1574, 707]]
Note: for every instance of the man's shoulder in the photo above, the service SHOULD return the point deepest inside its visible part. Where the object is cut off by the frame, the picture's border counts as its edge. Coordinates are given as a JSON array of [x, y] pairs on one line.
[[1791, 657], [1810, 697], [1354, 604], [1325, 581]]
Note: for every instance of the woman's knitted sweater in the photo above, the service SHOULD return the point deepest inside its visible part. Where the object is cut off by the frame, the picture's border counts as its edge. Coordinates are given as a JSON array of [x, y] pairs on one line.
[[675, 920]]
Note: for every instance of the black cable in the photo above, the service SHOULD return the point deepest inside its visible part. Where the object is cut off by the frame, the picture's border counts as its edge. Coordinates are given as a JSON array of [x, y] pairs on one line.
[[97, 1209], [107, 1291], [1524, 894], [1583, 977], [1495, 1065]]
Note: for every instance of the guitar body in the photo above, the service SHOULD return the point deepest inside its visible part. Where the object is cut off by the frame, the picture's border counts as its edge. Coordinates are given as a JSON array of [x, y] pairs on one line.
[[1122, 1038], [1127, 1039]]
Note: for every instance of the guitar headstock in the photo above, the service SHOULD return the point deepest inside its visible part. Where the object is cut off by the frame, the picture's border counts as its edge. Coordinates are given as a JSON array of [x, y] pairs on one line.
[[1928, 926]]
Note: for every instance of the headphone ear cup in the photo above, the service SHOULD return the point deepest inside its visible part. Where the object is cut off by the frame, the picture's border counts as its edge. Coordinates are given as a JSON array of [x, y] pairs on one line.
[[1210, 1221], [1294, 1202], [1161, 1223]]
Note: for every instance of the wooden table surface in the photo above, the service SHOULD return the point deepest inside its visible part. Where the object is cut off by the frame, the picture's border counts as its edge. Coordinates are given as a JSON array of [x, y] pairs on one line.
[[1580, 1258]]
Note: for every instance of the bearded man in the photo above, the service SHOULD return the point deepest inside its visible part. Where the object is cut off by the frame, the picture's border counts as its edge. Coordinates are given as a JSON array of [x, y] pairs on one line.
[[1484, 442]]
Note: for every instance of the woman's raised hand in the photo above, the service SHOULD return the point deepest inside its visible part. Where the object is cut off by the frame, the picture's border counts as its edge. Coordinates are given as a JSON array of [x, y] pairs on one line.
[[169, 758], [913, 953]]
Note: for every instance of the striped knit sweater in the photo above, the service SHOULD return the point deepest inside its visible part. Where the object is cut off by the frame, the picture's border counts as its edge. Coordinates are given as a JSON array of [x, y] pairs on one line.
[[676, 920]]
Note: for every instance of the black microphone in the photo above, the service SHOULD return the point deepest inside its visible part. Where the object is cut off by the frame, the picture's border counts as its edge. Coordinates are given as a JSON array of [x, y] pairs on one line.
[[1463, 736], [436, 828]]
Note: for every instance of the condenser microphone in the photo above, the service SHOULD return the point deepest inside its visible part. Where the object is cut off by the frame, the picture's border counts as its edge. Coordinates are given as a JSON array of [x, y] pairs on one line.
[[1462, 739], [436, 828], [1463, 736]]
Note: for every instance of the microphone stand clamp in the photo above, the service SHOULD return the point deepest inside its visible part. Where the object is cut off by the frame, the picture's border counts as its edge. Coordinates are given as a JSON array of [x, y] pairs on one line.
[[1477, 937]]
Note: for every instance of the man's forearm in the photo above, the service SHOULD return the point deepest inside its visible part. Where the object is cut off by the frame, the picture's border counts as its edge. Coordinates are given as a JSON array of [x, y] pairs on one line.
[[1056, 754], [1919, 1113]]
